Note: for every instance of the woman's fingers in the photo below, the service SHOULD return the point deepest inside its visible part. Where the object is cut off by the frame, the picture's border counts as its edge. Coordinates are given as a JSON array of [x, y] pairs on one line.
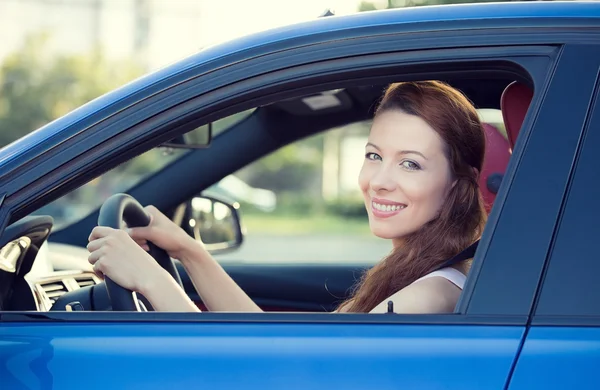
[[95, 256], [143, 244], [95, 244], [100, 232], [98, 270], [99, 236]]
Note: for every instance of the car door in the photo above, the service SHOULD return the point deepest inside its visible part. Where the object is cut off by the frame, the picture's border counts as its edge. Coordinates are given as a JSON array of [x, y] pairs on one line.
[[562, 348], [472, 348]]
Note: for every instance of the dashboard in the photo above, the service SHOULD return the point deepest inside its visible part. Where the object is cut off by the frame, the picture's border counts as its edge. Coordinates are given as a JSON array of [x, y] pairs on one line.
[[57, 270], [35, 274]]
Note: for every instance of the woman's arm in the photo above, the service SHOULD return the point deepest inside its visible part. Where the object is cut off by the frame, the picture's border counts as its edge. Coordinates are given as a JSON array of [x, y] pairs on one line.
[[114, 254], [218, 290], [165, 294]]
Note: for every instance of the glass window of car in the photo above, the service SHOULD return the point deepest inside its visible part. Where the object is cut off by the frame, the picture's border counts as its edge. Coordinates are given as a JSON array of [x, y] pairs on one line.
[[82, 201]]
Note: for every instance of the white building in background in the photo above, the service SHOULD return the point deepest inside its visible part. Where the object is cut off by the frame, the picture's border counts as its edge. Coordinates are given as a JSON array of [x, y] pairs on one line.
[[155, 32]]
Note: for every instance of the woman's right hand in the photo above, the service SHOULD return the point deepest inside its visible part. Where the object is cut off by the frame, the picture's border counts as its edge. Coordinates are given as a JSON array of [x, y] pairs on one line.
[[163, 233]]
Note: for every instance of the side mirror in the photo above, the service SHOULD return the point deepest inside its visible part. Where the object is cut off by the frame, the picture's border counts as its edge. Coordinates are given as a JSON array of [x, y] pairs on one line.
[[213, 221]]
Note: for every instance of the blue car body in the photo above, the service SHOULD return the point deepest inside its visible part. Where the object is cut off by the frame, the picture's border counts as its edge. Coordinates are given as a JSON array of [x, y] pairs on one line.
[[494, 340]]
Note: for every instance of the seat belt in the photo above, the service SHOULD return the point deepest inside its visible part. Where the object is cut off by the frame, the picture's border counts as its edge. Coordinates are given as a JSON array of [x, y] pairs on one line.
[[466, 254]]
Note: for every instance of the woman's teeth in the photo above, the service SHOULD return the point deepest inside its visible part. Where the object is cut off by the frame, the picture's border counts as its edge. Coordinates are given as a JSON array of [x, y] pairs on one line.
[[387, 207]]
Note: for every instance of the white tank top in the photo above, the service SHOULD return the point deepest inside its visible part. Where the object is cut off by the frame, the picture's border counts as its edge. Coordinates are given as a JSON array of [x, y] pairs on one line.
[[452, 274]]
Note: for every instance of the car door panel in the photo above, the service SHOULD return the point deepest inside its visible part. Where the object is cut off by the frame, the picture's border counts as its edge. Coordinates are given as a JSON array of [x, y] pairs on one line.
[[289, 287], [225, 355], [559, 358]]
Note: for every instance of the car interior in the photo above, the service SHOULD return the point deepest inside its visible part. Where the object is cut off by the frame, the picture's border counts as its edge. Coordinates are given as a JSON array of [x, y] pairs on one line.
[[44, 270]]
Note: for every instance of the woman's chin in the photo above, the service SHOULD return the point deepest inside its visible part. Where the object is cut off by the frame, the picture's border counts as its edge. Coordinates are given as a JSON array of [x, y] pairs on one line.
[[382, 232], [387, 232]]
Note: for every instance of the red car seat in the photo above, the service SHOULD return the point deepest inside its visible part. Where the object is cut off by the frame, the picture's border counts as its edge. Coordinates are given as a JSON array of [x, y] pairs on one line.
[[514, 104], [497, 154]]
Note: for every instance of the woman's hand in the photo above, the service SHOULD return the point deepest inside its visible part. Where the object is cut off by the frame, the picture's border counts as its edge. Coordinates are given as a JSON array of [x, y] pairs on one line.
[[163, 233], [114, 254]]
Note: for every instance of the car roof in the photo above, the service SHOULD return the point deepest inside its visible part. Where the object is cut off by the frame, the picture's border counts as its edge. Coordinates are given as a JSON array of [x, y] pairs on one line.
[[422, 18]]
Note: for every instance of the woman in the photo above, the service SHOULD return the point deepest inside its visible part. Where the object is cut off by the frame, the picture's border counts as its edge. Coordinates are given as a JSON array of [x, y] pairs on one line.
[[419, 181]]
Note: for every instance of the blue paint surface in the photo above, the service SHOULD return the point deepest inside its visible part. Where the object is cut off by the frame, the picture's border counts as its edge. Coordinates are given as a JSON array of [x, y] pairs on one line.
[[559, 358], [255, 356]]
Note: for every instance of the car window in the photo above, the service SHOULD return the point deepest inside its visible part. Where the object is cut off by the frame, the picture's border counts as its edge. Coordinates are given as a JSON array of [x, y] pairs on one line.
[[302, 203], [80, 202]]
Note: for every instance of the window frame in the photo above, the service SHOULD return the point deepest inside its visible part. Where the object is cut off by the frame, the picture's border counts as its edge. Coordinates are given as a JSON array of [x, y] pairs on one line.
[[536, 62]]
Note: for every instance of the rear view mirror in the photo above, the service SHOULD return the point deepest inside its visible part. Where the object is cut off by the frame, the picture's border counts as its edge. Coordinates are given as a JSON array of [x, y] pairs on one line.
[[198, 138]]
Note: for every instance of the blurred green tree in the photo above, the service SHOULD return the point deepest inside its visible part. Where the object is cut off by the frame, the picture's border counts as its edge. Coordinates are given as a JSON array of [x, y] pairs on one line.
[[37, 87], [294, 168]]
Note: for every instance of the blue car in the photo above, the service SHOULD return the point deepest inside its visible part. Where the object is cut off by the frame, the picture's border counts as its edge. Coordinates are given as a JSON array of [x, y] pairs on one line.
[[528, 317]]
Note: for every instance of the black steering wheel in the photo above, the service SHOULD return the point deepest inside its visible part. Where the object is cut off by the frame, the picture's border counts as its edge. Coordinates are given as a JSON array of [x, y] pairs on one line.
[[121, 208]]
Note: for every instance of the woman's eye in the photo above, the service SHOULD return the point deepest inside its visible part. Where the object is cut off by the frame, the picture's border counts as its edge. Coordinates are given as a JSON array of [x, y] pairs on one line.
[[410, 165], [372, 156]]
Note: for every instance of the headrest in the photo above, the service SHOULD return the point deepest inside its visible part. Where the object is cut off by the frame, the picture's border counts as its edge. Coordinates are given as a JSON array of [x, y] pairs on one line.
[[497, 154], [514, 103]]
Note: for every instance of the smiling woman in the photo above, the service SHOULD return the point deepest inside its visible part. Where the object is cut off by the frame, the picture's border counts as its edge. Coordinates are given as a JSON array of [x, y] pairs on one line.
[[419, 181], [420, 185]]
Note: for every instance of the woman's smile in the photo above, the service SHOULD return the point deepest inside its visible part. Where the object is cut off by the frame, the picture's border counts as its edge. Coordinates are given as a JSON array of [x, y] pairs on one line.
[[382, 208]]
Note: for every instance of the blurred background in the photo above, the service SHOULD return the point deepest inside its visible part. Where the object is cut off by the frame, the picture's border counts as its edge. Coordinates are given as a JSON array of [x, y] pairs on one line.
[[59, 54]]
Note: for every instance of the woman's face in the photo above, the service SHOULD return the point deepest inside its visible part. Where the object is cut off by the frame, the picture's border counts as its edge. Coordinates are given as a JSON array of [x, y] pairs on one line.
[[405, 176]]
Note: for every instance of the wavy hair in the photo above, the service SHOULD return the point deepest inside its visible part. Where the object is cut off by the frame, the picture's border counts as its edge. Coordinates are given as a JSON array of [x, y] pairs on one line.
[[462, 217]]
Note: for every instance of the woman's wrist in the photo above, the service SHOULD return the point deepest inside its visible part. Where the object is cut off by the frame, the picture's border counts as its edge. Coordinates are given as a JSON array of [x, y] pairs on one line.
[[192, 251], [165, 294], [152, 281]]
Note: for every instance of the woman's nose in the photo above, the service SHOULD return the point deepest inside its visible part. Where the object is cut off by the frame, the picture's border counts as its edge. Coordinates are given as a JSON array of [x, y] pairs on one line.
[[383, 180]]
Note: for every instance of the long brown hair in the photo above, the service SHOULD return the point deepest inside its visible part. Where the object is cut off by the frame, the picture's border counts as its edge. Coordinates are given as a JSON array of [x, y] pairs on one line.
[[460, 220]]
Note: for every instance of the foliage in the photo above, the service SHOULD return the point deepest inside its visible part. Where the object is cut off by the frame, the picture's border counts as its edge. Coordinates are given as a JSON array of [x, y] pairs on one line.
[[348, 207], [36, 87], [294, 168]]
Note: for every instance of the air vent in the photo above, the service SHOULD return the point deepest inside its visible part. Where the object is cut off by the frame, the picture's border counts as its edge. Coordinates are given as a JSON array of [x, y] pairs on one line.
[[53, 290], [86, 280], [49, 289]]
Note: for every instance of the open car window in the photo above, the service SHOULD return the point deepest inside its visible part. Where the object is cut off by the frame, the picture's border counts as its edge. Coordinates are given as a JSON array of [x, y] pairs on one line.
[[306, 196]]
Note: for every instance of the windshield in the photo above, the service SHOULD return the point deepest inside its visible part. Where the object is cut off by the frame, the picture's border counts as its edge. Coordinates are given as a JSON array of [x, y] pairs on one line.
[[80, 202], [85, 199]]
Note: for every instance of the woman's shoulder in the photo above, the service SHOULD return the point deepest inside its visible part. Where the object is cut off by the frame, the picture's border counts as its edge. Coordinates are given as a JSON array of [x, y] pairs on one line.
[[449, 273], [435, 293]]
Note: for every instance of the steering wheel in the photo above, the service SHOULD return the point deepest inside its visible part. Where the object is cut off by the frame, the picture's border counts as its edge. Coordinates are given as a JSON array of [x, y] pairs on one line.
[[121, 208]]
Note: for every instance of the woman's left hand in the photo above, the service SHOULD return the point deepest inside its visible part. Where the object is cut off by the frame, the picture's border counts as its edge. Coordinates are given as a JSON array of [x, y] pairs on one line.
[[115, 254]]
